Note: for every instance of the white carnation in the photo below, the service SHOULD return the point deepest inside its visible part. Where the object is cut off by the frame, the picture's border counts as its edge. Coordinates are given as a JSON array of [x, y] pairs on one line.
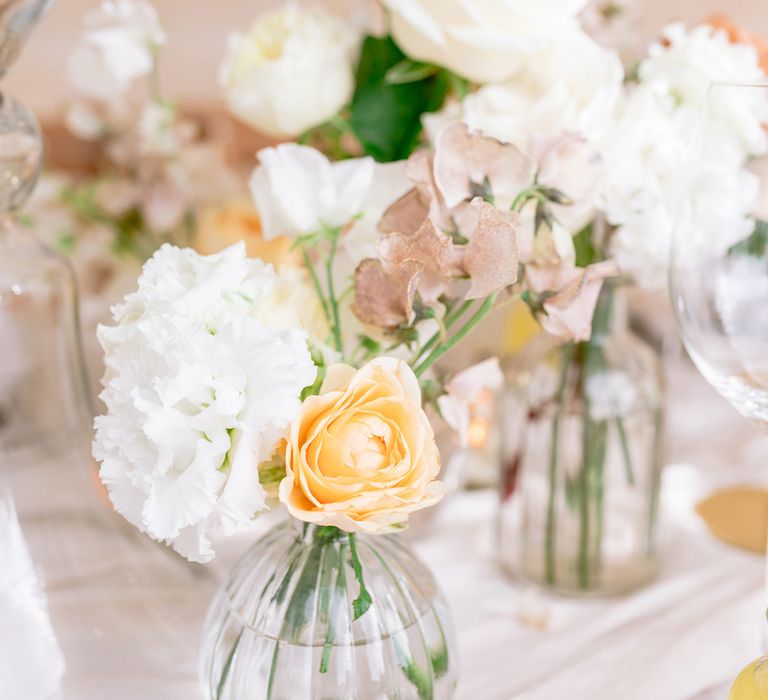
[[650, 170], [683, 66], [198, 391]]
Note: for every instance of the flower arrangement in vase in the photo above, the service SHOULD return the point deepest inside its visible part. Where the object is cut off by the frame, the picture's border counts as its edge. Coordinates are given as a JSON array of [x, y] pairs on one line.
[[234, 386]]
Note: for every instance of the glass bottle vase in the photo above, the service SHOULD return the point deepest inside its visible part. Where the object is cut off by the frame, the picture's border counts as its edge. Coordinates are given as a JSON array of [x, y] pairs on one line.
[[291, 622], [582, 433]]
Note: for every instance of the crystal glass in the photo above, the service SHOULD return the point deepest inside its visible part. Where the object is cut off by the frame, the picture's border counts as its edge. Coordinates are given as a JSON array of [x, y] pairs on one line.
[[719, 273], [581, 431], [283, 625]]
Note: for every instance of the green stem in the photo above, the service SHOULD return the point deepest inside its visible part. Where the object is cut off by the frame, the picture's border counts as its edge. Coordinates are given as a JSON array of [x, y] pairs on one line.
[[341, 596], [584, 525], [329, 563], [549, 536], [334, 304], [438, 352], [591, 488], [623, 440], [522, 199], [450, 318], [316, 284], [227, 667], [363, 601]]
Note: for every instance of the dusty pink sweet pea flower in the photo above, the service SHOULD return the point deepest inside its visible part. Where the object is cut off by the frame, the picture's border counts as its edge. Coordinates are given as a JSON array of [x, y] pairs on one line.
[[430, 250], [467, 164], [464, 391], [384, 294], [490, 259], [569, 297], [569, 164]]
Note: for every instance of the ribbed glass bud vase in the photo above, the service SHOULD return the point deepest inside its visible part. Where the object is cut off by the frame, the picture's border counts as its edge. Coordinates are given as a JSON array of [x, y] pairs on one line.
[[287, 622]]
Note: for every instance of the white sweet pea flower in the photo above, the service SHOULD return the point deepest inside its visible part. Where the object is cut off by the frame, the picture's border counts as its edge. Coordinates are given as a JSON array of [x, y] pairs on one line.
[[199, 390], [118, 46], [483, 41], [293, 70], [463, 392], [297, 190]]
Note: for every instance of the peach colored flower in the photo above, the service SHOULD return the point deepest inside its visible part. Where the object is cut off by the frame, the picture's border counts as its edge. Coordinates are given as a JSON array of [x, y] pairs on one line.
[[361, 455], [223, 225]]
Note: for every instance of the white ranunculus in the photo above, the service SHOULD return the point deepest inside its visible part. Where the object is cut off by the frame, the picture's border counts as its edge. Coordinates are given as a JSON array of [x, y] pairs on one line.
[[199, 390], [297, 190], [482, 40], [118, 46], [293, 70], [572, 85]]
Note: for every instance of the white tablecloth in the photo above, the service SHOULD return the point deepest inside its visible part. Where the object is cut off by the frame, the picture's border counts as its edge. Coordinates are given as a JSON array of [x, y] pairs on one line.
[[682, 638]]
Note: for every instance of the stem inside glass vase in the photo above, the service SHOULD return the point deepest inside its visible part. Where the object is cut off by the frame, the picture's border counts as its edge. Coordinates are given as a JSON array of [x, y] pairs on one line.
[[314, 611], [582, 361]]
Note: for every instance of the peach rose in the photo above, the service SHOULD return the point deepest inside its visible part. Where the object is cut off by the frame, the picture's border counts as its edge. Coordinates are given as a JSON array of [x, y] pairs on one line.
[[362, 454]]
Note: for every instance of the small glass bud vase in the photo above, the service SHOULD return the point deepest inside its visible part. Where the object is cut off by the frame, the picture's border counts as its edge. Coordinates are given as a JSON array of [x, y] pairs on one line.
[[581, 427], [291, 622]]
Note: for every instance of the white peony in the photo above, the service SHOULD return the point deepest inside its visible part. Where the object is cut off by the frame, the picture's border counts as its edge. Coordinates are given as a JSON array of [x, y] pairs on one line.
[[293, 70], [198, 391], [573, 85], [118, 46], [297, 190], [482, 40]]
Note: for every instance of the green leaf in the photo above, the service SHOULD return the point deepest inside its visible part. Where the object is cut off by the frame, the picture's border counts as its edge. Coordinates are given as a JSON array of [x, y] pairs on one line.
[[482, 189], [385, 116], [585, 250], [556, 196], [440, 661], [755, 244], [409, 71]]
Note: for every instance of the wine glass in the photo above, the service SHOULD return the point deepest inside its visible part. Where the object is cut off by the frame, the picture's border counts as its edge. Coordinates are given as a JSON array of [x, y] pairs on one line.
[[719, 266]]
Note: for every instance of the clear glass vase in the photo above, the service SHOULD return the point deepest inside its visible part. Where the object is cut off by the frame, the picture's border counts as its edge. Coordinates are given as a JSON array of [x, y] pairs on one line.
[[582, 433], [283, 625]]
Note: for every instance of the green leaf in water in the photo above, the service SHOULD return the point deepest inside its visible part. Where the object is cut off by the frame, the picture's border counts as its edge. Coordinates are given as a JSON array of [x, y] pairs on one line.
[[440, 661], [363, 601]]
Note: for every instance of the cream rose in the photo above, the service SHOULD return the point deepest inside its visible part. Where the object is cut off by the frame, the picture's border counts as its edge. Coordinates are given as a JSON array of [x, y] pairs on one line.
[[361, 456], [482, 40], [292, 71]]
